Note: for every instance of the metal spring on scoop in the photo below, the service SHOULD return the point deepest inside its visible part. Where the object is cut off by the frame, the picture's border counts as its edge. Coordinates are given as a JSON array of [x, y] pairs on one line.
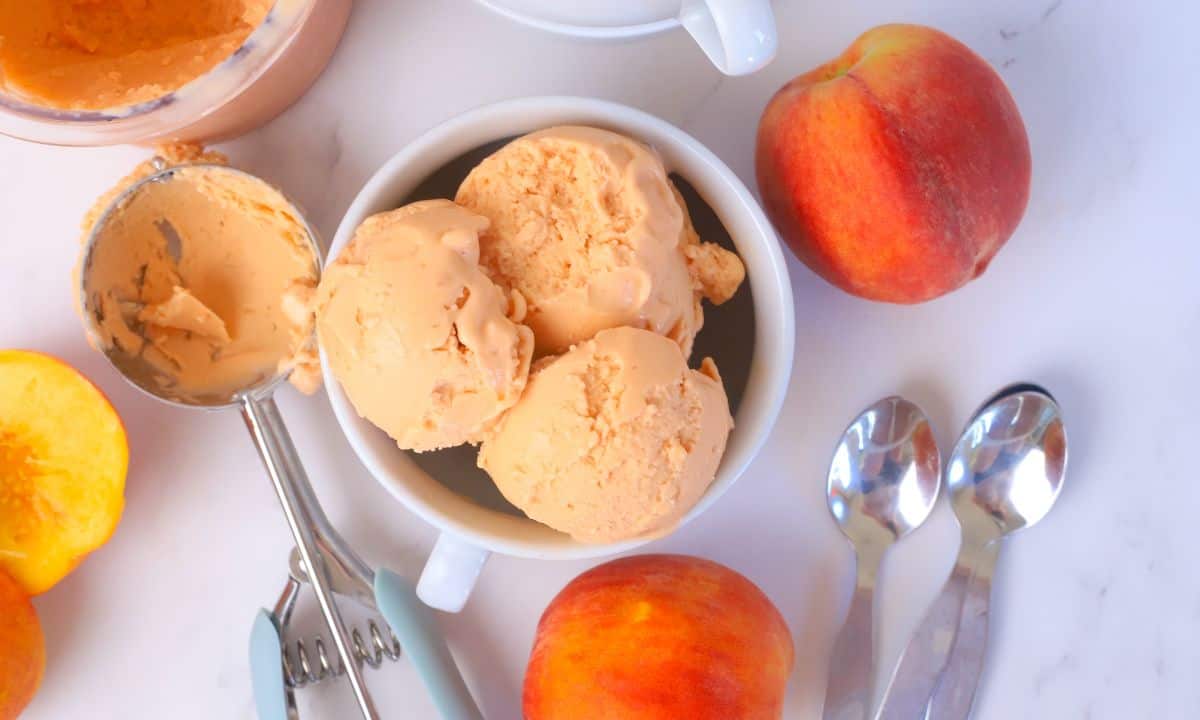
[[302, 666]]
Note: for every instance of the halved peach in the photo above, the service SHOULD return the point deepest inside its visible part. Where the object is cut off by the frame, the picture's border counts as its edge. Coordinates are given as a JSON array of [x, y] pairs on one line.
[[22, 649], [63, 458]]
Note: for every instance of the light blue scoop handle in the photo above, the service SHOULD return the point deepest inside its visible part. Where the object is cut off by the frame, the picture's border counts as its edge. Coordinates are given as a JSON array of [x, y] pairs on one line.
[[266, 669], [415, 625]]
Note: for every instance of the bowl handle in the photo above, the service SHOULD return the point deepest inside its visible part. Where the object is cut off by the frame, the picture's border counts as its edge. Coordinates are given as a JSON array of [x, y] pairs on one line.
[[738, 36], [450, 573]]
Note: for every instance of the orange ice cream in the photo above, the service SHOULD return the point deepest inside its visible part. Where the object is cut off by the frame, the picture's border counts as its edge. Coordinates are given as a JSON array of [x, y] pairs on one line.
[[587, 226], [207, 277], [99, 54], [613, 440], [425, 346]]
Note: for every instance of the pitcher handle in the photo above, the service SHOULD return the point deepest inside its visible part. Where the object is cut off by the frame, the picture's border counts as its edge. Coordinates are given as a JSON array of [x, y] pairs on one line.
[[738, 36]]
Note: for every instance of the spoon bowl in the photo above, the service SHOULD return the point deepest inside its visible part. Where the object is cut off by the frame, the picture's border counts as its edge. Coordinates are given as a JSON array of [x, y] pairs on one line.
[[885, 473], [1008, 467]]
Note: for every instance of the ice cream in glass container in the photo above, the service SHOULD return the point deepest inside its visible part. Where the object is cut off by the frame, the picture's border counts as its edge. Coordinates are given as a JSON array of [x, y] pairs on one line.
[[83, 72]]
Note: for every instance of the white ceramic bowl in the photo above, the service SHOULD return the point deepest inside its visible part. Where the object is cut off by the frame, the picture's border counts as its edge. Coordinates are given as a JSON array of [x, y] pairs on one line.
[[469, 529]]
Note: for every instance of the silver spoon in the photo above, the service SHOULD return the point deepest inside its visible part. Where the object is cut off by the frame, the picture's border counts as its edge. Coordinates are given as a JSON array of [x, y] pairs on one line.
[[329, 560], [1005, 474], [883, 482]]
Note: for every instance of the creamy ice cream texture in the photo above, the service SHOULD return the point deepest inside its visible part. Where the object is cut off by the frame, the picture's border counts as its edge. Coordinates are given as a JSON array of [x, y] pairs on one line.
[[207, 277], [588, 227], [615, 439], [98, 54], [425, 346], [571, 242]]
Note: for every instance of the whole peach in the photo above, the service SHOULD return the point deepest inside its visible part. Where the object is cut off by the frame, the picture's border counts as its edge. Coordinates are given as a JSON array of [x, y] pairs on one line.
[[898, 170], [22, 649], [659, 637]]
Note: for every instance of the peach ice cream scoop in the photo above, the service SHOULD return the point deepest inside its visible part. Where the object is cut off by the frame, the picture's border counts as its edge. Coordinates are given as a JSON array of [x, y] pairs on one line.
[[195, 276], [425, 346], [615, 439], [588, 227]]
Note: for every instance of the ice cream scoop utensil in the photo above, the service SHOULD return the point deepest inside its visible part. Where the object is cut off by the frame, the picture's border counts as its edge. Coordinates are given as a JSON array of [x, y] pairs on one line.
[[280, 459], [882, 484], [263, 421], [411, 621], [279, 663], [321, 550], [382, 590], [1005, 474]]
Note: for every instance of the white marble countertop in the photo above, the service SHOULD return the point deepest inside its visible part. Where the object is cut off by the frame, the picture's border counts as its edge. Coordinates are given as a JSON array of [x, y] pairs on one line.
[[1096, 611]]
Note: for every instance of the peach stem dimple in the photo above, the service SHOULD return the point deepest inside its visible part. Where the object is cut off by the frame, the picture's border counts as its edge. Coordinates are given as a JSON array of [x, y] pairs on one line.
[[838, 67]]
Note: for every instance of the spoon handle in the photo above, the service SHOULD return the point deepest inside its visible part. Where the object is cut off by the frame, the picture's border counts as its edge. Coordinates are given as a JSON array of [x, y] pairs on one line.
[[848, 691], [955, 692], [915, 677]]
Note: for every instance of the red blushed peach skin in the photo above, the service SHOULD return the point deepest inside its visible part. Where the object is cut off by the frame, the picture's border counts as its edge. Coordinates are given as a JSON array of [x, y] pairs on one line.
[[63, 457], [22, 649], [659, 637], [898, 170]]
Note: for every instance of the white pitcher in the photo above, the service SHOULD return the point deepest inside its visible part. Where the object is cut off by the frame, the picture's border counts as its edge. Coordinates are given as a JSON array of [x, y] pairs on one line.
[[737, 35]]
